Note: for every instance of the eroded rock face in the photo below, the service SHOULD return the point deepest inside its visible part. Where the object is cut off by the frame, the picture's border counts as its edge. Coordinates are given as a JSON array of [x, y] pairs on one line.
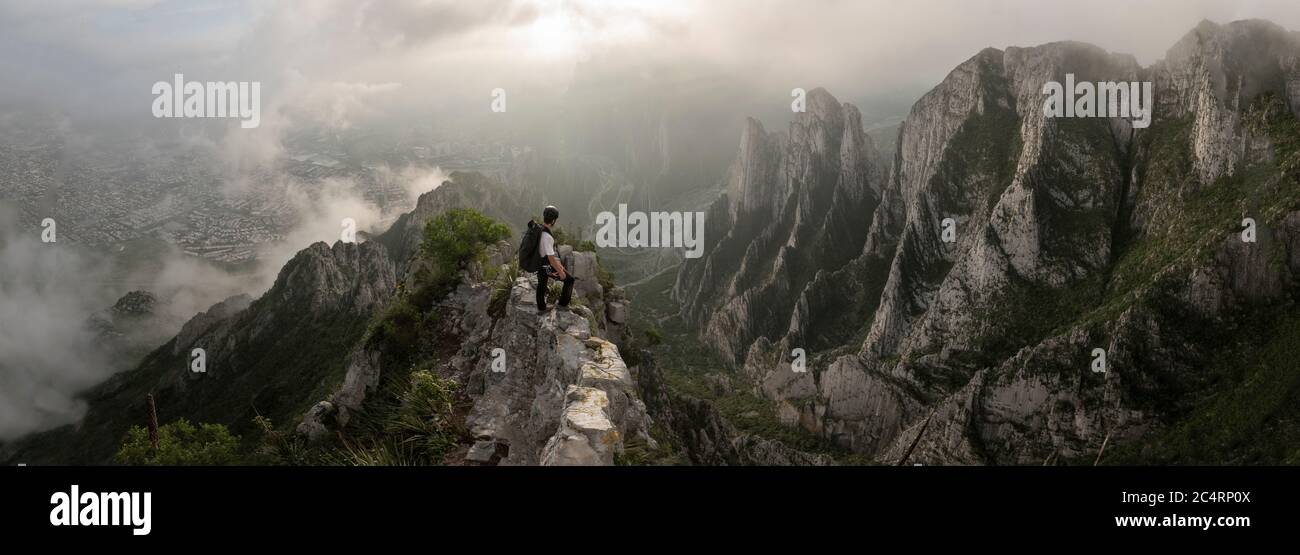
[[793, 206], [547, 388], [582, 265], [360, 379], [982, 341], [1213, 72], [203, 321], [978, 150], [586, 436]]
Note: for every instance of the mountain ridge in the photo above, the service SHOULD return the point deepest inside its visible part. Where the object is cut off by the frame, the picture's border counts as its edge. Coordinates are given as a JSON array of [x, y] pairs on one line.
[[303, 354], [1041, 206]]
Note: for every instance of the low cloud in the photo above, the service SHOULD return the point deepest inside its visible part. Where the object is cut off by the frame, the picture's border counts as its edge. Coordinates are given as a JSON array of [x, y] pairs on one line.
[[321, 211], [47, 354], [415, 180]]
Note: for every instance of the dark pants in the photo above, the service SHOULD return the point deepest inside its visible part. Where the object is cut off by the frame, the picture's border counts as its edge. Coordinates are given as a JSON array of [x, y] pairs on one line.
[[565, 294]]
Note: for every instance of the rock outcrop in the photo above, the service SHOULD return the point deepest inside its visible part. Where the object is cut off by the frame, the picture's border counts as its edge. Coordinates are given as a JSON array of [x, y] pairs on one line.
[[462, 190], [137, 323], [546, 389]]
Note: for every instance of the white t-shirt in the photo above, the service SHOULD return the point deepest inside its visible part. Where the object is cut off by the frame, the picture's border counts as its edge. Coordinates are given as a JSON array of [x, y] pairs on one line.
[[547, 246]]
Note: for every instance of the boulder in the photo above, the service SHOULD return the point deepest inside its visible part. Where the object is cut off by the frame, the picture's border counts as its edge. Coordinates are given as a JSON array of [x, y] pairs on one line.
[[313, 423], [616, 312]]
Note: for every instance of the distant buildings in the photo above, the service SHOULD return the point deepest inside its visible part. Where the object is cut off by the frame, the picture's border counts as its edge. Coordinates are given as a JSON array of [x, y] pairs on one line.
[[179, 196]]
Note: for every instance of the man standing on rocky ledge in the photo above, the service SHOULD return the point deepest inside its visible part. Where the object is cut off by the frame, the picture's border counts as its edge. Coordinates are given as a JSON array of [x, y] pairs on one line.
[[552, 268]]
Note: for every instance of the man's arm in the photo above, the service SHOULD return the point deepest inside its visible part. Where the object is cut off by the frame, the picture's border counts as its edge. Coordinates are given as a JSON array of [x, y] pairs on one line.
[[559, 268]]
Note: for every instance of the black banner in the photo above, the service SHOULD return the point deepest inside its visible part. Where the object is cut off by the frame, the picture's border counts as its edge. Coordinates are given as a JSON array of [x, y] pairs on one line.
[[239, 504]]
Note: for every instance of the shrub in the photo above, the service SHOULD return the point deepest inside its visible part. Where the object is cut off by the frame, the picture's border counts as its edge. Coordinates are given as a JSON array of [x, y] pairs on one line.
[[425, 417], [453, 240], [505, 282], [419, 428], [275, 447], [398, 329], [653, 337], [603, 277], [554, 288], [180, 443]]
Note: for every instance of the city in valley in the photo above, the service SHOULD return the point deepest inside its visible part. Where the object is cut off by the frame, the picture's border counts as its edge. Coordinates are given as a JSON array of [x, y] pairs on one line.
[[112, 195]]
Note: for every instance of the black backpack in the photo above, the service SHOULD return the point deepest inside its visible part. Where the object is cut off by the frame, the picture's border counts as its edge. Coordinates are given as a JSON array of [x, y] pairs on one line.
[[530, 252]]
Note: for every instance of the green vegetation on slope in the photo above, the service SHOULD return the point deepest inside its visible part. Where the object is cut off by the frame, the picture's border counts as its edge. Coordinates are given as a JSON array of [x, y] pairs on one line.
[[1242, 409], [180, 444], [1201, 217], [1249, 411], [415, 418], [452, 241], [690, 368], [413, 421]]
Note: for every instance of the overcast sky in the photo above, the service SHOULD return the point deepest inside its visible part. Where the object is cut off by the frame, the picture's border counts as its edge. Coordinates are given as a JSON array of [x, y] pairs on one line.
[[337, 62]]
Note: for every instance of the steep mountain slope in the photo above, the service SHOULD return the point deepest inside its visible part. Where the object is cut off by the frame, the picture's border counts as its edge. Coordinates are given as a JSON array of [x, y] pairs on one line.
[[320, 353], [1071, 234], [261, 357], [790, 211]]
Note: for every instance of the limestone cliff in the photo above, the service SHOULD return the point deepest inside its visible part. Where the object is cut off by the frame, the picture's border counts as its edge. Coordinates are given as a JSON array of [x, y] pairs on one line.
[[791, 209], [1070, 235]]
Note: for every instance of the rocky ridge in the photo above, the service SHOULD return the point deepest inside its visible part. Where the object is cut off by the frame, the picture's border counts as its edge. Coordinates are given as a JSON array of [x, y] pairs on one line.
[[785, 216], [298, 355], [556, 393]]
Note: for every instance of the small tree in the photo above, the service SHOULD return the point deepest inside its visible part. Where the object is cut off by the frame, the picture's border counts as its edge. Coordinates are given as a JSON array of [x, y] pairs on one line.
[[458, 236], [453, 240]]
